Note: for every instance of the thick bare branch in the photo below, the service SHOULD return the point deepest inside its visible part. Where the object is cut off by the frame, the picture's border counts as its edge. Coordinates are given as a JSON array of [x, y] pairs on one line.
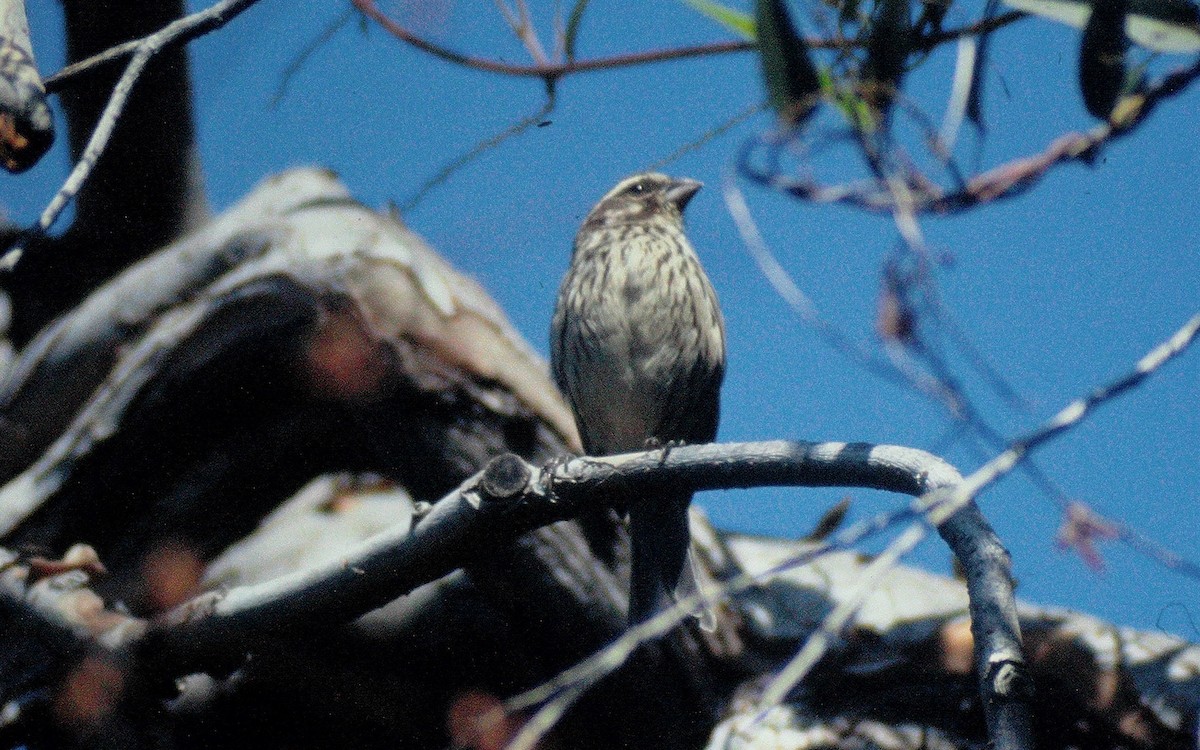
[[512, 497]]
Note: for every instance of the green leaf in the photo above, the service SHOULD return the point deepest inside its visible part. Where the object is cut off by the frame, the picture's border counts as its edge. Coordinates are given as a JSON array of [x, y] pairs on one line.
[[1171, 26], [793, 84], [1102, 57], [572, 32], [736, 21], [1164, 25], [853, 107]]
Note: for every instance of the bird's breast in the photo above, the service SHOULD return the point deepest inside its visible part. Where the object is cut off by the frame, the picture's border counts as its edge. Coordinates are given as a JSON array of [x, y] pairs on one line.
[[641, 324]]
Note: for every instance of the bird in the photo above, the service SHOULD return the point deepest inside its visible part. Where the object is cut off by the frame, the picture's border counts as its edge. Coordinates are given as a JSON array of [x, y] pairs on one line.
[[638, 349]]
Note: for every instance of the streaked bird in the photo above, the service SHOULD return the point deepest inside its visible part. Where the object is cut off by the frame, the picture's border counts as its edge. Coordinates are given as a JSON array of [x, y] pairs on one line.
[[638, 348]]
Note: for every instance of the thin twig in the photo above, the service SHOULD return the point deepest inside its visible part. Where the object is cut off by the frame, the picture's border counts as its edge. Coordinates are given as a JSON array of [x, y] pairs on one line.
[[521, 24], [319, 41], [509, 16], [962, 495], [836, 622], [552, 71], [65, 77], [941, 387], [557, 695], [786, 287], [709, 136], [965, 413], [180, 31], [1077, 410], [487, 144], [979, 362]]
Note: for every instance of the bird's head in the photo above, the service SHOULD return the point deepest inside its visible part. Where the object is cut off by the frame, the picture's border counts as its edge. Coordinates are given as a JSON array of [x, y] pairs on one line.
[[643, 197]]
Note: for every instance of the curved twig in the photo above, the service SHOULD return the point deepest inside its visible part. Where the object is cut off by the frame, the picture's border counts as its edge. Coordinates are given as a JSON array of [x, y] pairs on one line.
[[547, 71], [1003, 679], [448, 171]]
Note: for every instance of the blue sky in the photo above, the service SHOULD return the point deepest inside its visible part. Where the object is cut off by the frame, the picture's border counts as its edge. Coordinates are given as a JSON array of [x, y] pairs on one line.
[[1063, 288]]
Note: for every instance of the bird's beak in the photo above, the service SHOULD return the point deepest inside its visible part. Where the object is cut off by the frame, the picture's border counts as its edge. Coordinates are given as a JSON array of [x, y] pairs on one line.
[[680, 192]]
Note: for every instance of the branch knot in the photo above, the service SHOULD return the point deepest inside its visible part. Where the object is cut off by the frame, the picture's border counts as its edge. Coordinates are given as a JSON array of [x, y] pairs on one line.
[[505, 477]]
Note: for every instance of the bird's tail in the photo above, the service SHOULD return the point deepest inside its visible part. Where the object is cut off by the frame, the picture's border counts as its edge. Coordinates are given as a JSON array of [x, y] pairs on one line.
[[662, 568]]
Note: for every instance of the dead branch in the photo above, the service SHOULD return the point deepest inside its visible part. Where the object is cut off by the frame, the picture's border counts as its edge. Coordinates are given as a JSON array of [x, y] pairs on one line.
[[511, 497]]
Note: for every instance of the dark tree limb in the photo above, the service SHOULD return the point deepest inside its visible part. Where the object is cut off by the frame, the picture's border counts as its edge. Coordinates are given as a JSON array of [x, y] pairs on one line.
[[512, 497]]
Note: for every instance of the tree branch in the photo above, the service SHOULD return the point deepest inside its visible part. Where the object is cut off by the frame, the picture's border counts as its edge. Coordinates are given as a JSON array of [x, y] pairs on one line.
[[176, 33], [554, 71], [511, 497], [476, 514]]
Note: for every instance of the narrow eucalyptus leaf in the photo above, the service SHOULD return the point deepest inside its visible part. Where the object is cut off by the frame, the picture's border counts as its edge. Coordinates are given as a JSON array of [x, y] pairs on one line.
[[793, 84], [888, 48], [975, 101], [962, 91], [1171, 26], [572, 32], [736, 21], [1102, 57]]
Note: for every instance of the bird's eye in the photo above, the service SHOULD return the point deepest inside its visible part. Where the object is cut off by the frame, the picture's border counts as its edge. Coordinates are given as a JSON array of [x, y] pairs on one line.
[[637, 188]]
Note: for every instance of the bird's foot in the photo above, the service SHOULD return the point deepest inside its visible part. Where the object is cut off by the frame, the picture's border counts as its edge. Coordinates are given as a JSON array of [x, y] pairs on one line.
[[654, 443]]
